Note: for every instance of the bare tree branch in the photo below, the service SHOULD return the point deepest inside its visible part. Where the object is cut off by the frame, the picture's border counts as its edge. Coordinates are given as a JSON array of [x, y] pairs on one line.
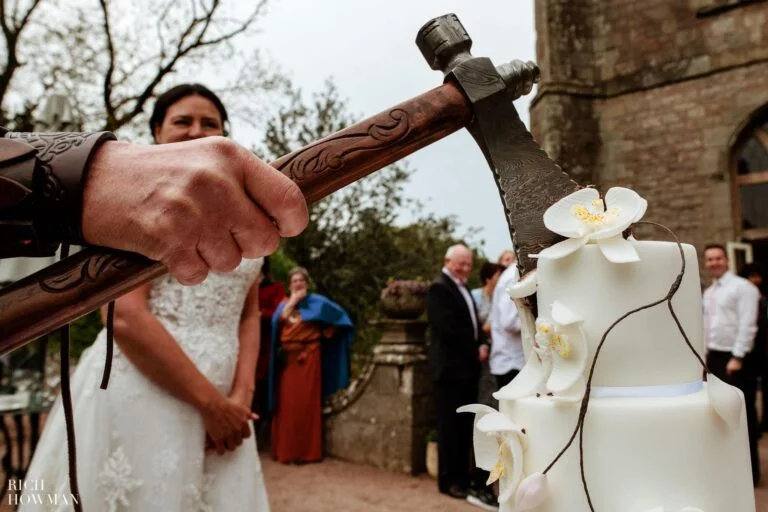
[[25, 18], [110, 123], [12, 32], [201, 25]]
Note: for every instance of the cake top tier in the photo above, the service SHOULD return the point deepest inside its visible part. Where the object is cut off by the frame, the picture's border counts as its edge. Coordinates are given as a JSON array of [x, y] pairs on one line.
[[595, 277]]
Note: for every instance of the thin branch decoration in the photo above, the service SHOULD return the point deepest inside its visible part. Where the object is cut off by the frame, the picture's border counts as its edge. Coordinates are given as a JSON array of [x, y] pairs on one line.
[[579, 429]]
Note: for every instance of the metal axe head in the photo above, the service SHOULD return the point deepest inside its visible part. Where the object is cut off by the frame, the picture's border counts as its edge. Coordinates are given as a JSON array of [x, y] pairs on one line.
[[528, 180]]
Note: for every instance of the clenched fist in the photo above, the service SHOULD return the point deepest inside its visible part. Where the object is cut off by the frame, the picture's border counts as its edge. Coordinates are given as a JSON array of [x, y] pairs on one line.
[[196, 206]]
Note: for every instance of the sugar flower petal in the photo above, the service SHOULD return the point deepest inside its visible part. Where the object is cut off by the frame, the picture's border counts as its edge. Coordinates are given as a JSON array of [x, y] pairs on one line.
[[726, 400], [566, 371], [497, 422], [511, 456], [562, 249], [641, 210], [622, 205], [524, 287], [477, 409], [531, 492], [618, 250], [530, 379], [485, 446], [559, 217]]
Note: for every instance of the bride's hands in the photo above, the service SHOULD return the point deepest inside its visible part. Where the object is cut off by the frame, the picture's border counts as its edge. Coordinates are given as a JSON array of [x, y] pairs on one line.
[[227, 423]]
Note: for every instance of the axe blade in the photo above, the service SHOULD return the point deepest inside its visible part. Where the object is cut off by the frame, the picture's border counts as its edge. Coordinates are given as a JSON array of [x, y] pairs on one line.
[[529, 181]]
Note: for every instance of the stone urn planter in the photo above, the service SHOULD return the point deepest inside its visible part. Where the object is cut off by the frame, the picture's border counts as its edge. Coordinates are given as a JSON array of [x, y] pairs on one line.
[[404, 299], [431, 461]]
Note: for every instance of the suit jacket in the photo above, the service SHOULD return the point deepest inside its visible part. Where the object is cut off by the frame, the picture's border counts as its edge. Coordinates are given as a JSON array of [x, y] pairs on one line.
[[453, 347]]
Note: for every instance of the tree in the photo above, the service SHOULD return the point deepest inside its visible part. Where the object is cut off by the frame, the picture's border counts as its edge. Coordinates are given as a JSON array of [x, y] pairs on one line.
[[353, 243], [111, 58]]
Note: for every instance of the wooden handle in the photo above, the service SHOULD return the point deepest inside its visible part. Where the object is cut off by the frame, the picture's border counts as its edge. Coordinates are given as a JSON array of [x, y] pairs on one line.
[[77, 285]]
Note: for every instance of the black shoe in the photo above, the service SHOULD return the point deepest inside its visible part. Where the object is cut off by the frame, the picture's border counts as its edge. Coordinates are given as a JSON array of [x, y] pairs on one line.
[[455, 491], [484, 499]]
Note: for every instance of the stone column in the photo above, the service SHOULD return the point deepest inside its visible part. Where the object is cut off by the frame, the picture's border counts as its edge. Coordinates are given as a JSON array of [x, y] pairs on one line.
[[386, 425]]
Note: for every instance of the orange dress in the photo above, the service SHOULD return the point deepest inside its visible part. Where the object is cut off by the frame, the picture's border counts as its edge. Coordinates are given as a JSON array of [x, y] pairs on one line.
[[297, 424]]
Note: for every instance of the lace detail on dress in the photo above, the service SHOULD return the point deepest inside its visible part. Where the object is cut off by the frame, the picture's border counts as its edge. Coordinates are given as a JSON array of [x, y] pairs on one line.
[[195, 495], [205, 319], [116, 480]]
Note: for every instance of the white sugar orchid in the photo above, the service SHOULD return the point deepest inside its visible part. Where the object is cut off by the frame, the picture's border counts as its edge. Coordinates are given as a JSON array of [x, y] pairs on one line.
[[499, 445], [725, 400], [524, 287], [557, 358], [584, 217]]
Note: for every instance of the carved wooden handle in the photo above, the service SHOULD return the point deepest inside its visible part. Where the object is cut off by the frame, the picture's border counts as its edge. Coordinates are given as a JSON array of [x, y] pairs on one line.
[[76, 286]]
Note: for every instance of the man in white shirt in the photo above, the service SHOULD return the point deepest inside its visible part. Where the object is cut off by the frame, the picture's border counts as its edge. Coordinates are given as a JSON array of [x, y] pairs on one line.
[[730, 325], [507, 357]]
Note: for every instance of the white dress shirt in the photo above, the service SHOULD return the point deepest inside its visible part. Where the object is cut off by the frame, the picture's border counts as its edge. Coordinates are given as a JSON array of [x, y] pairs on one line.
[[506, 341], [467, 298], [730, 315]]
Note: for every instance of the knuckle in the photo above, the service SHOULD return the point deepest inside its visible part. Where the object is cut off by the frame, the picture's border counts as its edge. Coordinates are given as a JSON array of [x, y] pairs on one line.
[[292, 201], [223, 147]]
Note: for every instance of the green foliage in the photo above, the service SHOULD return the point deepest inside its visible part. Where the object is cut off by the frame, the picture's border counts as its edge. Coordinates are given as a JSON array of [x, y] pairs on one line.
[[82, 334], [353, 243]]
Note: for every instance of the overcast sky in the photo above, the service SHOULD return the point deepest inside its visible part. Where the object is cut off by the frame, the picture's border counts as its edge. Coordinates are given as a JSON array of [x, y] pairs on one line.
[[368, 48]]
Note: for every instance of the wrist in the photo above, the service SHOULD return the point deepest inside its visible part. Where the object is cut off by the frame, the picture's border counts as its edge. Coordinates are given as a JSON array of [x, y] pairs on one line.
[[245, 385], [96, 186], [207, 400]]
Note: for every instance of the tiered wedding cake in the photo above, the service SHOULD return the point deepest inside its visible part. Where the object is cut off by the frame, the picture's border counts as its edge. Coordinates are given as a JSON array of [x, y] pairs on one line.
[[653, 436]]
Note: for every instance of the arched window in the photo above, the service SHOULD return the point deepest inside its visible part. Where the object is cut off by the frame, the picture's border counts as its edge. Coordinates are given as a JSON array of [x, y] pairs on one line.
[[751, 179]]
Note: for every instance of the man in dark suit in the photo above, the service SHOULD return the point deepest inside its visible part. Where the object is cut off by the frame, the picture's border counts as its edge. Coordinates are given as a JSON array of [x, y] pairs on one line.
[[457, 348]]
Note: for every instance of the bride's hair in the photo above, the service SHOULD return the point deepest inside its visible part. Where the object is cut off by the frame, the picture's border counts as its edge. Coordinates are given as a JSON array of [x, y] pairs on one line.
[[174, 94]]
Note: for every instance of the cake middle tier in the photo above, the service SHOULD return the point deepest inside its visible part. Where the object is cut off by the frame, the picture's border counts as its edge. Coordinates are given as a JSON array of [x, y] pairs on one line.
[[645, 349]]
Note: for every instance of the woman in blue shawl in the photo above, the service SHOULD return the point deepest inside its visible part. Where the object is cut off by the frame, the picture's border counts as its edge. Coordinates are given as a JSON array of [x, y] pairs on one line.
[[311, 336]]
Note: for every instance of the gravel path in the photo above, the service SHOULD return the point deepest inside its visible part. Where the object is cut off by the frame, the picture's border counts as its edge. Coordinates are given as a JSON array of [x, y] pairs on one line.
[[336, 486]]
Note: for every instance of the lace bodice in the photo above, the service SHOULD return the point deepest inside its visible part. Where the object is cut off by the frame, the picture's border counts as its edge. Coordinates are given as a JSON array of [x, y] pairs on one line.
[[205, 318]]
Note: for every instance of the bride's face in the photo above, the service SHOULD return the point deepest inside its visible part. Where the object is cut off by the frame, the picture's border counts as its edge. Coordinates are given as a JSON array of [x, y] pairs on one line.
[[298, 283], [191, 117]]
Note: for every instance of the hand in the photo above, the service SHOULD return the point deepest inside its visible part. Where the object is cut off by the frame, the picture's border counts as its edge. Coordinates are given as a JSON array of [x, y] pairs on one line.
[[298, 296], [227, 423], [196, 206], [242, 396], [733, 366], [483, 353]]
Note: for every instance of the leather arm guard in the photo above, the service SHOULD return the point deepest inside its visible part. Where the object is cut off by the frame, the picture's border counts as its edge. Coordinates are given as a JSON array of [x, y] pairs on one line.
[[41, 189]]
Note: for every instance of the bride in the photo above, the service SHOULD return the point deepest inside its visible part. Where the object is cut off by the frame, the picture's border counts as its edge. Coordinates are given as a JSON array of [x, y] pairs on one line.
[[167, 434]]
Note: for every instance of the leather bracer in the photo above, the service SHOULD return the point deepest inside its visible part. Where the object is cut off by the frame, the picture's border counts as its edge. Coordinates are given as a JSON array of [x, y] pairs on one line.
[[41, 189]]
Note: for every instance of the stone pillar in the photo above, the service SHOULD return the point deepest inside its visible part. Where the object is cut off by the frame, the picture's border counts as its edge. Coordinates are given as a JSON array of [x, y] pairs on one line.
[[386, 425]]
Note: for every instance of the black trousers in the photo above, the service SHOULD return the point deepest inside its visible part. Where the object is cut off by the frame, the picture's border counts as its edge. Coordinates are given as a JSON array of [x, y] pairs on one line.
[[746, 380], [454, 436], [503, 380]]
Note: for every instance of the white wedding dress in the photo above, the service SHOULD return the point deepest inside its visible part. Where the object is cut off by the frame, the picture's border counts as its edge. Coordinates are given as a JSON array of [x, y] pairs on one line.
[[140, 449]]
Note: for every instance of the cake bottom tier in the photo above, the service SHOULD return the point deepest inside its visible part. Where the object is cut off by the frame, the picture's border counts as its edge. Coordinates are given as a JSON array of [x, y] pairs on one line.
[[639, 454]]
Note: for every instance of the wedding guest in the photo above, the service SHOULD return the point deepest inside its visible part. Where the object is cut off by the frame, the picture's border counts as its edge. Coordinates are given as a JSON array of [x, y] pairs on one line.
[[730, 325], [754, 272], [457, 349], [489, 275], [507, 258], [271, 294], [311, 338]]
